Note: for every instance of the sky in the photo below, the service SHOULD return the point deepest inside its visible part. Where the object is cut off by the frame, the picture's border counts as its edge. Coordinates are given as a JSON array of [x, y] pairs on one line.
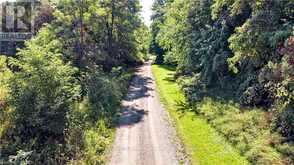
[[146, 11]]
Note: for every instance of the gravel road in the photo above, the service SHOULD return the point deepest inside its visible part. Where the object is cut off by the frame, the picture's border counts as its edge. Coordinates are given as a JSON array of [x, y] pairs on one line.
[[144, 135]]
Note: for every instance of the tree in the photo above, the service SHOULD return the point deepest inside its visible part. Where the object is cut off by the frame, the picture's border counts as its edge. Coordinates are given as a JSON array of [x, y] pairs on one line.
[[143, 37], [42, 92], [108, 30], [157, 19]]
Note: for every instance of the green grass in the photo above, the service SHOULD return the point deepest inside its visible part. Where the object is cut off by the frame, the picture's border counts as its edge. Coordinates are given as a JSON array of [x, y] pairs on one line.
[[204, 145]]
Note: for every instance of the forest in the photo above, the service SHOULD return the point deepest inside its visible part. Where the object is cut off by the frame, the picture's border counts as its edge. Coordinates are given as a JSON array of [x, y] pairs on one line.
[[61, 90], [59, 93], [234, 62]]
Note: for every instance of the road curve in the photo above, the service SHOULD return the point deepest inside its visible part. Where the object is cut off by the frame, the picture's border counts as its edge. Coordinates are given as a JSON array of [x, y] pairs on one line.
[[144, 134]]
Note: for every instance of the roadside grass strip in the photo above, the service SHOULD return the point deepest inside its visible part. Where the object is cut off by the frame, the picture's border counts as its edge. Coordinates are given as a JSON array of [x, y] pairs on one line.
[[202, 142]]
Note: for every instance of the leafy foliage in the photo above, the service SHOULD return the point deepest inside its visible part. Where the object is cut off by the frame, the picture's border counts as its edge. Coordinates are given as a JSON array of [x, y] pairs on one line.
[[5, 74], [239, 51], [66, 84], [105, 91], [157, 20], [41, 93], [98, 32], [143, 42]]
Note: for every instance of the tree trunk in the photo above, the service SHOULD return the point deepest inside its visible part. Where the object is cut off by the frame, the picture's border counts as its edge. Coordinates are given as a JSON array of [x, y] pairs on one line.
[[81, 47]]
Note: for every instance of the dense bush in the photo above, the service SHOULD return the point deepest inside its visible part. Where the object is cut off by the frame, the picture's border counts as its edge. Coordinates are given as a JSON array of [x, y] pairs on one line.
[[92, 121], [285, 122], [87, 140], [41, 93], [5, 110], [42, 90], [105, 91]]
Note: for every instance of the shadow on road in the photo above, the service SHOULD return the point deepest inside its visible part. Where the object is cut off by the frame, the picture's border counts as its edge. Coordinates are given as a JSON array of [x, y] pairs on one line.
[[130, 116], [138, 90]]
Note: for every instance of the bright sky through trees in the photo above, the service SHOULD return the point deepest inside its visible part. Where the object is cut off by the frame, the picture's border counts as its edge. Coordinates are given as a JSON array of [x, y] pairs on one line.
[[146, 10]]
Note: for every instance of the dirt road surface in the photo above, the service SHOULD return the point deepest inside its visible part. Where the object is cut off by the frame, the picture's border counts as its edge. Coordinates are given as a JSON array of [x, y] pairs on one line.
[[144, 135]]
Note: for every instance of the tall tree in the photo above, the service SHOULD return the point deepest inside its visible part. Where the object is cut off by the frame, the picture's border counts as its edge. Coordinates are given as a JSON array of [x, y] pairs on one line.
[[157, 18]]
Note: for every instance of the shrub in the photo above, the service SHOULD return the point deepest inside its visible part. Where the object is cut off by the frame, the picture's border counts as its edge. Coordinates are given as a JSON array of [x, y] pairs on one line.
[[255, 96], [87, 141], [285, 122], [42, 92], [5, 110], [105, 91], [91, 130], [287, 149], [5, 75], [97, 140]]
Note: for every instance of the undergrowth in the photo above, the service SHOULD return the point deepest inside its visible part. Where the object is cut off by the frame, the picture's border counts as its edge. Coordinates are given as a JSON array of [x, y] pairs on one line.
[[248, 130]]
